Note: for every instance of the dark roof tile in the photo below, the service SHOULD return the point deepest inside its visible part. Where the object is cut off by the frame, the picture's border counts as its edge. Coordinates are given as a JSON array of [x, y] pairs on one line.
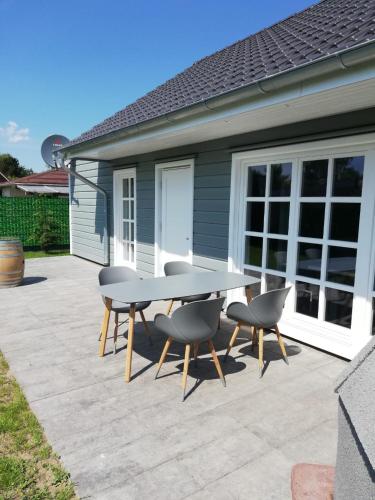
[[322, 29]]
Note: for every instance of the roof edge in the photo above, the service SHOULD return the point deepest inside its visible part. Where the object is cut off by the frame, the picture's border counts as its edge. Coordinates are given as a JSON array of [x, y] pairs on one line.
[[341, 60]]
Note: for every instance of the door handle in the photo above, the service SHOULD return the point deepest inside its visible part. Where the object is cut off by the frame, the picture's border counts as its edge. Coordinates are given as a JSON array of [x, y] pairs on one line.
[[187, 239]]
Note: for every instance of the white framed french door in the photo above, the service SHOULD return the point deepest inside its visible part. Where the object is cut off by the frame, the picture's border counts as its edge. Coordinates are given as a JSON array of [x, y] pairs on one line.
[[174, 198], [302, 216], [124, 217]]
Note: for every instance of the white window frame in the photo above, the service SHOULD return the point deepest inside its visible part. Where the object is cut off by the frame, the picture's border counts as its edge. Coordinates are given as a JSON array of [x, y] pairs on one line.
[[118, 176], [325, 335]]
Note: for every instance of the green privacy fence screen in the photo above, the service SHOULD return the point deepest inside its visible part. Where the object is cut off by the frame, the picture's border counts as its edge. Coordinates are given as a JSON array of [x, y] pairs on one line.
[[18, 218]]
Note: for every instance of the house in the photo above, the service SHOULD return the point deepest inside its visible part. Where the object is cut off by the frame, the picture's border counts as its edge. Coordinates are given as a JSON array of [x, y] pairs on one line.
[[259, 159], [52, 182]]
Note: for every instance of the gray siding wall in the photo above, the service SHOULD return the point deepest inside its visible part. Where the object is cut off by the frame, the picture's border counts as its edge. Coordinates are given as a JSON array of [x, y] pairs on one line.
[[211, 190], [145, 218], [212, 173], [87, 211]]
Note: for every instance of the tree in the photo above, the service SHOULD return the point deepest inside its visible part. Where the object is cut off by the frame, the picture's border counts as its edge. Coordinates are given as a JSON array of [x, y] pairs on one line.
[[11, 168], [45, 229]]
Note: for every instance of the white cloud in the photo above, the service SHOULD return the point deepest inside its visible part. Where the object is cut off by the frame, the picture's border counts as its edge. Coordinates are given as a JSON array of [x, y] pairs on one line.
[[13, 133]]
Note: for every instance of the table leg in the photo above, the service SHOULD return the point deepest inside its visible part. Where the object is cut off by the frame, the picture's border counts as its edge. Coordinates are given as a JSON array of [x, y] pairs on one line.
[[104, 328], [129, 347]]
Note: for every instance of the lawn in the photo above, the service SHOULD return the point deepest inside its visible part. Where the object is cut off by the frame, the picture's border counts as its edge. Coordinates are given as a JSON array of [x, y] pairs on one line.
[[33, 254], [29, 469]]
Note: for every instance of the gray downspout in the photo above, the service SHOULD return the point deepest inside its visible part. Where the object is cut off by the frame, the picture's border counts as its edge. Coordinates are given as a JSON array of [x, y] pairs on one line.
[[71, 171]]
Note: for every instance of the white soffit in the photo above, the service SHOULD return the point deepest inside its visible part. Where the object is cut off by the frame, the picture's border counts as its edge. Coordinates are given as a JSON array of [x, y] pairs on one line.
[[270, 110]]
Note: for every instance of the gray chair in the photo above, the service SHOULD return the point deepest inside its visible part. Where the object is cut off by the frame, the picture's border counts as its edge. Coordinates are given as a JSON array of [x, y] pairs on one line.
[[117, 274], [181, 267], [263, 312], [191, 325]]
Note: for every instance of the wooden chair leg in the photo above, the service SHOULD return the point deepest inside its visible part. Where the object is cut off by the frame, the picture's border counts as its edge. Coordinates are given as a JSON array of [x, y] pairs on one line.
[[260, 359], [254, 339], [163, 355], [196, 349], [281, 344], [216, 361], [115, 334], [249, 294], [104, 328], [170, 307], [185, 372], [147, 330], [232, 340]]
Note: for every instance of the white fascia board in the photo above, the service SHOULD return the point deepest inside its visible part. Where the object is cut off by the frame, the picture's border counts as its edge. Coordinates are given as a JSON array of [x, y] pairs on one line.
[[341, 92]]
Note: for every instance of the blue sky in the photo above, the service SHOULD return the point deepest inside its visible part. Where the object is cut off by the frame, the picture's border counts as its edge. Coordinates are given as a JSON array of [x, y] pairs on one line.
[[67, 65]]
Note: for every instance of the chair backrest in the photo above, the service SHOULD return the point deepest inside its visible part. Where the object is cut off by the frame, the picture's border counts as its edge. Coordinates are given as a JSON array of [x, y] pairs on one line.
[[268, 307], [178, 267], [116, 274], [197, 318]]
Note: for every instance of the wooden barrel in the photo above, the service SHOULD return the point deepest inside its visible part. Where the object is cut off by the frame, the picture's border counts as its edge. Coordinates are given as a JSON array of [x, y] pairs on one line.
[[12, 263]]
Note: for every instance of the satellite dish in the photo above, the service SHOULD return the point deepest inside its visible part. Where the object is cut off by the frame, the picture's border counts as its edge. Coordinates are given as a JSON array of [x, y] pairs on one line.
[[50, 145]]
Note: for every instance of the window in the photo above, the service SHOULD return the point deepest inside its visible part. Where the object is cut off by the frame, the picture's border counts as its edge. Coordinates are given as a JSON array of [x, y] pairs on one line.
[[297, 223], [267, 222], [125, 216], [328, 207]]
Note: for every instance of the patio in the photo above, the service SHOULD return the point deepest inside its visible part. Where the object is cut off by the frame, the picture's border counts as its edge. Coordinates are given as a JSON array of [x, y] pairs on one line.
[[138, 440]]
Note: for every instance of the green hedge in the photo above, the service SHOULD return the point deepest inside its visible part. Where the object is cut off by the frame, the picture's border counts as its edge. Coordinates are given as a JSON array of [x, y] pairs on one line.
[[17, 217]]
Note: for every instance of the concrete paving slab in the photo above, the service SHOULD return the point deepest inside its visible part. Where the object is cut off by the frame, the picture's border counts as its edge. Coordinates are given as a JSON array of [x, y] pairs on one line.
[[137, 440]]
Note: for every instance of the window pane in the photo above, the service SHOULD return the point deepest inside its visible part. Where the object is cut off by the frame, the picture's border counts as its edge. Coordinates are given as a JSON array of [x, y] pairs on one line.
[[256, 181], [132, 209], [276, 254], [255, 216], [125, 188], [341, 265], [131, 187], [281, 174], [373, 316], [125, 211], [314, 178], [125, 235], [274, 282], [132, 231], [339, 307], [307, 299], [347, 176], [344, 221], [255, 289], [278, 217], [253, 251], [311, 222], [309, 260]]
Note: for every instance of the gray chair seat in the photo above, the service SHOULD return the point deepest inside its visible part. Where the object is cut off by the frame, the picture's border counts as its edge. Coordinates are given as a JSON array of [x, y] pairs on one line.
[[181, 267], [120, 307], [238, 311], [119, 274], [194, 298], [262, 313], [190, 325]]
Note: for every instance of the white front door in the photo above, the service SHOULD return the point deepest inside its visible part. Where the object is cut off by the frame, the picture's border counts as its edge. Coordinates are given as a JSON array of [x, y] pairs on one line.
[[174, 213], [124, 210]]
